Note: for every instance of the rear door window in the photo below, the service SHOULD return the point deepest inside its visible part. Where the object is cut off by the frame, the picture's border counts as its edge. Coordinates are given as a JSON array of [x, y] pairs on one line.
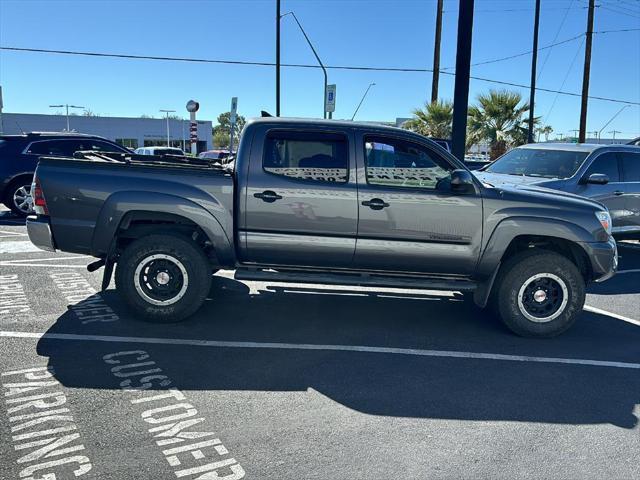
[[320, 157], [97, 145], [631, 166], [54, 148], [607, 163]]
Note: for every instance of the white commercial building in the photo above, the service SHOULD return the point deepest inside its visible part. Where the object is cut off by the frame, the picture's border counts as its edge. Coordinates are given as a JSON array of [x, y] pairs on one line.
[[129, 132]]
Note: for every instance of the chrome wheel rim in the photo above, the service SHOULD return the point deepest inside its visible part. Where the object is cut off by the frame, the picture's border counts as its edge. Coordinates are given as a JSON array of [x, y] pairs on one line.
[[22, 199], [543, 297], [161, 279]]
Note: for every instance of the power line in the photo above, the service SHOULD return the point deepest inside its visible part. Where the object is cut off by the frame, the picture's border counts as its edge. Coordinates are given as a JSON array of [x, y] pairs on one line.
[[564, 18], [521, 54], [300, 65], [555, 99], [619, 30]]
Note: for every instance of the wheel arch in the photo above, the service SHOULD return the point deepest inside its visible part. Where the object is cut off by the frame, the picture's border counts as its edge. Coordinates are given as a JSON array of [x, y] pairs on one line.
[[515, 235], [129, 215]]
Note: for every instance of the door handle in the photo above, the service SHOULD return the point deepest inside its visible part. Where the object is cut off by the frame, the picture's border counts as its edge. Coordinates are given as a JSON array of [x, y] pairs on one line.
[[375, 204], [268, 196], [618, 193]]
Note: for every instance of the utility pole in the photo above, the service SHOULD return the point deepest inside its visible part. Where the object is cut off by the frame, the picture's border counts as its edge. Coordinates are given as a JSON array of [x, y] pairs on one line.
[[463, 70], [534, 63], [277, 58], [168, 112], [575, 133], [586, 73], [436, 54], [614, 134]]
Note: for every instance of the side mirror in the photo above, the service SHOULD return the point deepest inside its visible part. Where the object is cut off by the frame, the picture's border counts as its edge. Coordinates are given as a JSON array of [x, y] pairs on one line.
[[462, 181], [597, 179]]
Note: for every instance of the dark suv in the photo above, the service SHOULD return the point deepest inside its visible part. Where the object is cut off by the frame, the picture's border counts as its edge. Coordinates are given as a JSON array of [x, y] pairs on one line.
[[19, 156]]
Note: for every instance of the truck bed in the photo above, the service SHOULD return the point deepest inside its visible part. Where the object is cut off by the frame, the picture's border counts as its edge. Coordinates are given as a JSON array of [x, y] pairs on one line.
[[87, 199]]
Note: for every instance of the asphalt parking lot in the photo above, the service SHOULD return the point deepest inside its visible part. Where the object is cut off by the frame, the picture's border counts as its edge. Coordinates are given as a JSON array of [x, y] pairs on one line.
[[301, 382]]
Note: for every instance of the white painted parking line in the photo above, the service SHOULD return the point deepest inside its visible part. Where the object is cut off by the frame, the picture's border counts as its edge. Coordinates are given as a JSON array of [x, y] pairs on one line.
[[38, 262], [317, 347], [589, 308], [10, 234], [21, 246]]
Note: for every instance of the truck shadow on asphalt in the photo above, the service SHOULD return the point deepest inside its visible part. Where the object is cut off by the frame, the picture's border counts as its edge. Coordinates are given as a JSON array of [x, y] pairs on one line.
[[383, 384]]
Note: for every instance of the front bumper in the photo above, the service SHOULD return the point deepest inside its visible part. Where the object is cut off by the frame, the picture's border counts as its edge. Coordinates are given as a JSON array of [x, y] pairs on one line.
[[39, 232], [604, 259]]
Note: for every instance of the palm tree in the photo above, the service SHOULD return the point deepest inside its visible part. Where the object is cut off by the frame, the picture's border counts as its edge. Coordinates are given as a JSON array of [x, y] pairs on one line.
[[499, 118], [434, 120], [546, 131]]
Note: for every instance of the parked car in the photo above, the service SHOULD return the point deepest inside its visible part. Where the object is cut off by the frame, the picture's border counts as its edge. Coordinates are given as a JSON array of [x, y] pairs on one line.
[[609, 174], [19, 156], [635, 141], [326, 202], [219, 155], [159, 151]]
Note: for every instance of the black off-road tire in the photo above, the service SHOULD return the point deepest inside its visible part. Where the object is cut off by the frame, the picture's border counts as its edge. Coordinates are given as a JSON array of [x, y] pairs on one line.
[[9, 192], [518, 272], [178, 253]]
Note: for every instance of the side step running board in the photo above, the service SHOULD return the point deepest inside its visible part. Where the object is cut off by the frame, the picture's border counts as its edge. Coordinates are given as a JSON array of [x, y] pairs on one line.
[[362, 280]]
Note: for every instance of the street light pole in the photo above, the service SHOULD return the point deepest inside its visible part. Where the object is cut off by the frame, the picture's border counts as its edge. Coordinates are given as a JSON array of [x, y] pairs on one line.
[[324, 70], [611, 120], [168, 112], [362, 100], [67, 106]]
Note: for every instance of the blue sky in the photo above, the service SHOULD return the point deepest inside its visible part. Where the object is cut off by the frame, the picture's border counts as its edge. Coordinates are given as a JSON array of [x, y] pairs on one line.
[[396, 33]]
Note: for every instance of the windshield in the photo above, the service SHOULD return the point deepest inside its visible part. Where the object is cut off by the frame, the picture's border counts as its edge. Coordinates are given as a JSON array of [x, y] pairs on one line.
[[539, 163]]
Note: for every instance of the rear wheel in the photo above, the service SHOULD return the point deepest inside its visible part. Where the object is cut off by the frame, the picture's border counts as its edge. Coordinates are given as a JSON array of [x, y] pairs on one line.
[[18, 198], [163, 278], [539, 294]]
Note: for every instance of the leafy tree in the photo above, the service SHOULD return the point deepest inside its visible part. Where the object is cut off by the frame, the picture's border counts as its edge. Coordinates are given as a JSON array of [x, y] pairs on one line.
[[499, 118], [224, 127], [434, 120], [220, 139]]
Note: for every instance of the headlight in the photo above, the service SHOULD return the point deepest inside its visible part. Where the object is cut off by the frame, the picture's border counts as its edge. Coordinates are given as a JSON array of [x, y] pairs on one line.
[[605, 220]]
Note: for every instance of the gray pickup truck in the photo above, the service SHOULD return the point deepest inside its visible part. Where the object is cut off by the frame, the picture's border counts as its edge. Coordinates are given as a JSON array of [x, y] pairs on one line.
[[332, 203]]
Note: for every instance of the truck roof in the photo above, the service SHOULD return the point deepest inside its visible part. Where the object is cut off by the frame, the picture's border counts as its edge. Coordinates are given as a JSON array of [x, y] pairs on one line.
[[324, 122], [576, 147]]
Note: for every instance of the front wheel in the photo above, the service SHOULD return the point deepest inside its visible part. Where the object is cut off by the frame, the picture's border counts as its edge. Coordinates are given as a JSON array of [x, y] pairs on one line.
[[163, 278], [539, 294]]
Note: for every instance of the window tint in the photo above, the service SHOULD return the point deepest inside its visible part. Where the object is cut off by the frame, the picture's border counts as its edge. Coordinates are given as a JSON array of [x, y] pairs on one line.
[[96, 145], [606, 163], [631, 166], [399, 163], [57, 148], [307, 156]]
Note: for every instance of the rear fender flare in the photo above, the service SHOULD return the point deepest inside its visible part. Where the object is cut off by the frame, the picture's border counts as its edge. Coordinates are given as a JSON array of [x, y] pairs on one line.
[[118, 205]]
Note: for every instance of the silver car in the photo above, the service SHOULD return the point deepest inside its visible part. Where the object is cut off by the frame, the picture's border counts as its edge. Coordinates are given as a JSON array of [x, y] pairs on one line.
[[609, 174]]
